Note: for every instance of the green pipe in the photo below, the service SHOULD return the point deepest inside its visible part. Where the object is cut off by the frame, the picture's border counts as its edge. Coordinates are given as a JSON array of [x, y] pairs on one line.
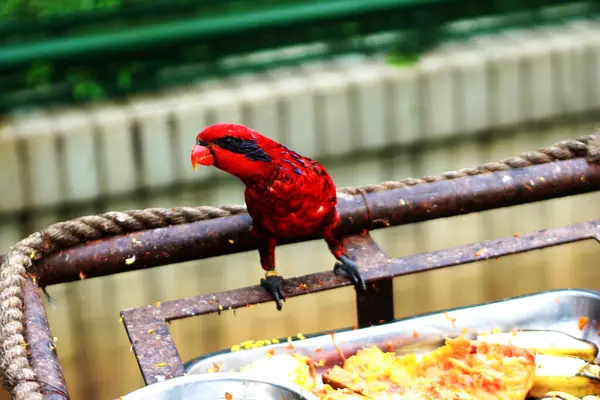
[[170, 33]]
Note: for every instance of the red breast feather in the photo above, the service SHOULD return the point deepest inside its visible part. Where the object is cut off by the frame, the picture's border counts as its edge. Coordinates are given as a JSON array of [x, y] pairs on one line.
[[299, 198]]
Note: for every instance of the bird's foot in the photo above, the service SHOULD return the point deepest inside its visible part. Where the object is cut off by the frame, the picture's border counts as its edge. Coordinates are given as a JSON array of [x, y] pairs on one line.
[[349, 269], [272, 283]]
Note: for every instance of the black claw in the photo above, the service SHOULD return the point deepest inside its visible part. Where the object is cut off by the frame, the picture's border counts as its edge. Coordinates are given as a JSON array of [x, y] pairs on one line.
[[273, 285], [51, 300], [349, 269]]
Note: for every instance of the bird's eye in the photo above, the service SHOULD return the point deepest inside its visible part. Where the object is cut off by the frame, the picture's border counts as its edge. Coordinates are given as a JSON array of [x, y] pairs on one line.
[[227, 142]]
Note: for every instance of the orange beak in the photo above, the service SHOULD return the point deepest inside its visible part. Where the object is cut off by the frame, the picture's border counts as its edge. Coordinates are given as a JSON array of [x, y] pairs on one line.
[[201, 155]]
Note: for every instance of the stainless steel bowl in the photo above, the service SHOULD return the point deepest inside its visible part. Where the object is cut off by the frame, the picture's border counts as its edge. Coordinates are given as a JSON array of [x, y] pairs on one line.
[[213, 386]]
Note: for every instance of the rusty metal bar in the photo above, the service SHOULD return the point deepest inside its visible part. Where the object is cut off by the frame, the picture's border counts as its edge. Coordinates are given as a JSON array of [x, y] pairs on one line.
[[321, 281], [484, 192], [40, 345], [365, 212], [156, 352], [381, 269], [376, 305]]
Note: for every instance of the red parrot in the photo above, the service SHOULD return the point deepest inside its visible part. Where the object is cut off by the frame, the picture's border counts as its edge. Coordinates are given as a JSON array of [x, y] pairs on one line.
[[287, 195]]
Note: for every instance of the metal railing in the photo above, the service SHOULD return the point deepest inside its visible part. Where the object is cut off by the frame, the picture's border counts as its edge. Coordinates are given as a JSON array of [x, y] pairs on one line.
[[147, 326]]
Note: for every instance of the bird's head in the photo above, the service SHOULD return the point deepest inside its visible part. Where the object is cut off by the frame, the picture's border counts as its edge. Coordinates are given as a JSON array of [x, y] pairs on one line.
[[235, 149]]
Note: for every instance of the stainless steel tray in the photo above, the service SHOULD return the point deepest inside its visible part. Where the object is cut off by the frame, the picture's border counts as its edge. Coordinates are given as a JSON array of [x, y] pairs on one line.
[[557, 310], [214, 387]]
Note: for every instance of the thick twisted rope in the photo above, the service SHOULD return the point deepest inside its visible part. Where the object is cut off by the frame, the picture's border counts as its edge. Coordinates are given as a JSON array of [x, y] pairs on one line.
[[19, 376], [583, 146]]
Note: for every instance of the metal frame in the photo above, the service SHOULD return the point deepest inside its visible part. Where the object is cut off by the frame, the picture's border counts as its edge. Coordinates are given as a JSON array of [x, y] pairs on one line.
[[147, 326], [157, 354]]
